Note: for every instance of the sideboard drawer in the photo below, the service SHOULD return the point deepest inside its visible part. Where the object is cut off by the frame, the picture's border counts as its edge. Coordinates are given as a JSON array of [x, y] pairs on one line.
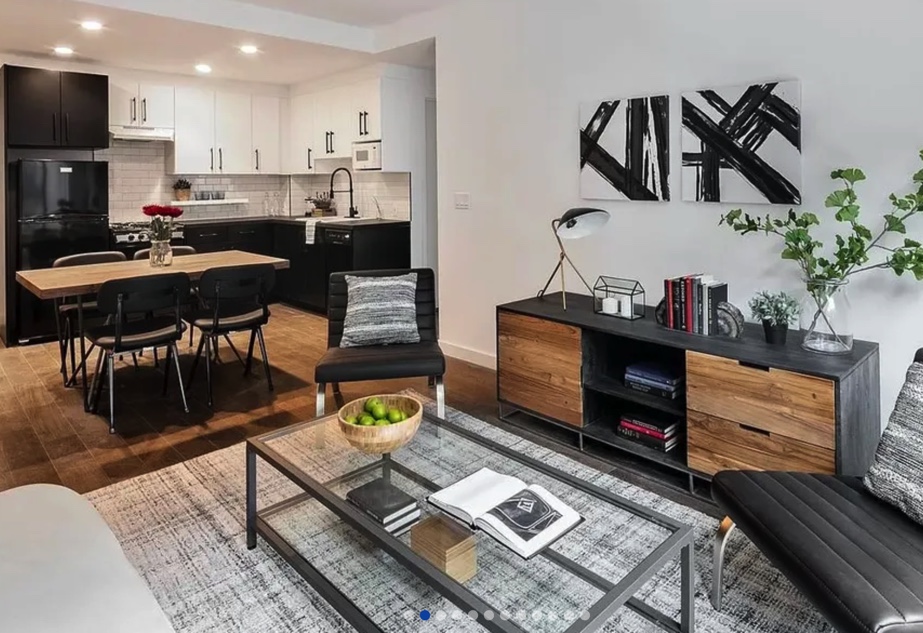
[[539, 366], [716, 444], [780, 402]]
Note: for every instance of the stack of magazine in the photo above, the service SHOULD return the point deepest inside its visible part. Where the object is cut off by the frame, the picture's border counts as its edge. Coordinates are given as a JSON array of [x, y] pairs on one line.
[[391, 507], [526, 519], [660, 435], [655, 379]]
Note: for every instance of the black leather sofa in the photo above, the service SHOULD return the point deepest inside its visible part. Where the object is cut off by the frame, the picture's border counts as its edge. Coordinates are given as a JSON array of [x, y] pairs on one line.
[[381, 362], [856, 558]]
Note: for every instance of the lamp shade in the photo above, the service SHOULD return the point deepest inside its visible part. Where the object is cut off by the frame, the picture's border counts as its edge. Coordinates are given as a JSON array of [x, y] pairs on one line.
[[581, 222]]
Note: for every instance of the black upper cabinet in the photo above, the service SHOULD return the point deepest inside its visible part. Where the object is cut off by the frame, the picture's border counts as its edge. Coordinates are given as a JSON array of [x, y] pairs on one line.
[[47, 108], [33, 107], [85, 108]]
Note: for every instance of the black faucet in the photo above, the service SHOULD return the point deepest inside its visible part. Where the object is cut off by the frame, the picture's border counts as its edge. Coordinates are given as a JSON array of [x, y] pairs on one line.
[[353, 212]]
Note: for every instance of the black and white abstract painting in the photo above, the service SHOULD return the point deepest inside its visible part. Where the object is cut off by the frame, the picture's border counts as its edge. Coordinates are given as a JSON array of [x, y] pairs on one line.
[[743, 144], [625, 149]]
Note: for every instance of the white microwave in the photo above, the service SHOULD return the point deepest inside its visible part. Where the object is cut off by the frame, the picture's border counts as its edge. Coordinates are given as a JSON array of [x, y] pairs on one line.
[[367, 156]]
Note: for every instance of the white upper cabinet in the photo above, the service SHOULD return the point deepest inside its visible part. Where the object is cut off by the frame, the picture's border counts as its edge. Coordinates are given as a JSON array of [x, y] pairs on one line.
[[140, 105], [194, 149], [303, 148], [156, 105], [267, 135], [366, 106], [335, 123], [233, 133]]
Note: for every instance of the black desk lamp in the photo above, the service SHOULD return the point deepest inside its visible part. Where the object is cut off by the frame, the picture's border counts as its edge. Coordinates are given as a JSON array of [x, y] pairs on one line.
[[573, 225]]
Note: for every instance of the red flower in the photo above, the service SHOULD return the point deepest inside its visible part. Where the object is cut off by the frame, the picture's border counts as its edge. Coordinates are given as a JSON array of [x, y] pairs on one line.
[[152, 210], [173, 212]]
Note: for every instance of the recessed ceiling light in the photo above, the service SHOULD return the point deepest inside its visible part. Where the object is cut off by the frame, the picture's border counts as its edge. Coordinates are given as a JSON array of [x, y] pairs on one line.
[[249, 49], [91, 25], [203, 68], [63, 50]]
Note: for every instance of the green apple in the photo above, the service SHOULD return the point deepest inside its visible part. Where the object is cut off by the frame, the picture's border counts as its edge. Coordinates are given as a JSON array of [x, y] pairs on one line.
[[366, 420], [395, 416], [352, 420], [382, 422], [371, 403], [379, 412]]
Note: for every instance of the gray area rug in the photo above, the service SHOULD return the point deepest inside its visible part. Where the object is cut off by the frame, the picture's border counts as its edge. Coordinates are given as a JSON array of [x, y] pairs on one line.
[[183, 529]]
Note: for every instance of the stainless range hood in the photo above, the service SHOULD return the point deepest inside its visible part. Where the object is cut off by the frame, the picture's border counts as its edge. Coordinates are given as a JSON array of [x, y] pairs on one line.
[[126, 133]]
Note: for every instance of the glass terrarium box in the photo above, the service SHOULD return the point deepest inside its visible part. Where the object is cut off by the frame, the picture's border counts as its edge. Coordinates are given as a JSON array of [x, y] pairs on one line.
[[620, 298]]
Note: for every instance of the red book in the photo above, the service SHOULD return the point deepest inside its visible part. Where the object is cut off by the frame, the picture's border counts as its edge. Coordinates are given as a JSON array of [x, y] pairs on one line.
[[640, 429]]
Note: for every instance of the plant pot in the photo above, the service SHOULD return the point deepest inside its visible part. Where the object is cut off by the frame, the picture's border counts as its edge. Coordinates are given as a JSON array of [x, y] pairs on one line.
[[182, 195], [775, 334], [825, 317], [161, 253]]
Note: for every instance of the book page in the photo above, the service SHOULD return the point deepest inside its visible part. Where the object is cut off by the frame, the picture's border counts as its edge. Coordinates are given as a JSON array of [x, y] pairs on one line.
[[529, 520], [476, 494]]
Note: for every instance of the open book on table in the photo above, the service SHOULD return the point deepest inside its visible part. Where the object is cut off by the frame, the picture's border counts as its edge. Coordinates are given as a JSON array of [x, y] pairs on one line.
[[524, 518]]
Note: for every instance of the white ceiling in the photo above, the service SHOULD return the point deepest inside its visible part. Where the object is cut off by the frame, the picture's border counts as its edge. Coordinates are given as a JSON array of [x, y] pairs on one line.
[[152, 43], [355, 12]]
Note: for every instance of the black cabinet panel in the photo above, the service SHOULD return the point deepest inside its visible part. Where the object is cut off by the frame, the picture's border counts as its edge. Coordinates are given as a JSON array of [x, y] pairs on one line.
[[85, 110], [47, 108], [253, 238], [33, 107]]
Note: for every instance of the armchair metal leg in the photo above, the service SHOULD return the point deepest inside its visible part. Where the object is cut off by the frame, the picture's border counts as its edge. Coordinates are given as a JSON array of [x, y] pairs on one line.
[[717, 580], [179, 374], [195, 361], [166, 370], [97, 384], [440, 398], [249, 362], [210, 343], [320, 399]]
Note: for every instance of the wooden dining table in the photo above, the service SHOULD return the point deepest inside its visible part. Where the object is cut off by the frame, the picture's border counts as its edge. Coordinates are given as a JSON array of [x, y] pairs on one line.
[[79, 281]]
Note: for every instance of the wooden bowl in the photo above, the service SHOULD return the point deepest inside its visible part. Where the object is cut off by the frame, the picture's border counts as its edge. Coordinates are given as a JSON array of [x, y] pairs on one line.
[[377, 440]]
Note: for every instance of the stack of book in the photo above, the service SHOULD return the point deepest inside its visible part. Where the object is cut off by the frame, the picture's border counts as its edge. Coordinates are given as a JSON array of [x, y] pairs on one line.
[[657, 434], [393, 508], [655, 379], [692, 303]]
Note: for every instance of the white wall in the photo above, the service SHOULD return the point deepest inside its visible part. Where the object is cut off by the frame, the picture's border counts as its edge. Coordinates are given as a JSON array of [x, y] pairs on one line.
[[510, 76]]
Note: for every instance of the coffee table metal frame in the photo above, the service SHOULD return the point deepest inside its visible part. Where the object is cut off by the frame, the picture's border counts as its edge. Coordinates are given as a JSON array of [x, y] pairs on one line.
[[616, 595]]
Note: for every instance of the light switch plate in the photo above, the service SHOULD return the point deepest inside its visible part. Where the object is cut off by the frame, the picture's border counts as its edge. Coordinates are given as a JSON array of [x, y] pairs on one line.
[[462, 200]]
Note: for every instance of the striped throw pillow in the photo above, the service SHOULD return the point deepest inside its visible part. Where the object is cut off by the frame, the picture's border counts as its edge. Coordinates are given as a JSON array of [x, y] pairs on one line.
[[380, 311], [896, 475]]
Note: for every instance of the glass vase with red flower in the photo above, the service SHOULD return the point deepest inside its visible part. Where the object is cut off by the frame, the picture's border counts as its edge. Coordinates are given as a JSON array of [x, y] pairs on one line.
[[161, 233]]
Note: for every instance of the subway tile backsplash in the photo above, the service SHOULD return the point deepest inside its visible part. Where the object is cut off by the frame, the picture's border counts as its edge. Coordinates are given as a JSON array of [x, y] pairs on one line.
[[138, 176]]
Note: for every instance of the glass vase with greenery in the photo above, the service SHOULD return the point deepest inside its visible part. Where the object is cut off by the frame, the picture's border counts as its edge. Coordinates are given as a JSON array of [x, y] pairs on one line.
[[825, 312]]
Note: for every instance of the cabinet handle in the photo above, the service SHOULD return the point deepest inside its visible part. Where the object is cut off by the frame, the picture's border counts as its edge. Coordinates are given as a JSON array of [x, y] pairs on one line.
[[332, 150], [144, 110], [211, 152], [365, 115], [246, 232], [753, 429], [257, 160], [208, 235], [134, 109], [67, 131], [361, 133], [54, 127], [309, 159], [220, 159], [753, 365]]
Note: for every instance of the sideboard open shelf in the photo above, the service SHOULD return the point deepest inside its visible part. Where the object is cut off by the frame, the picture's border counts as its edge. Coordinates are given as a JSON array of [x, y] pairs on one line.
[[747, 405]]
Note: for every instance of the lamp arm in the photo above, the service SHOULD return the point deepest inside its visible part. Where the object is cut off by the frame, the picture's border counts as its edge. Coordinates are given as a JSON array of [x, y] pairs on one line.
[[567, 257]]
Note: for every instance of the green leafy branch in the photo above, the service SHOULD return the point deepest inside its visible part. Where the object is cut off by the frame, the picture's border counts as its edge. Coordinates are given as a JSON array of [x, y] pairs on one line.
[[854, 248]]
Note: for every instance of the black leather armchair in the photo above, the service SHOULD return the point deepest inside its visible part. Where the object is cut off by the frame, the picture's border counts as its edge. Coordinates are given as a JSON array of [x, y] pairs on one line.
[[381, 362]]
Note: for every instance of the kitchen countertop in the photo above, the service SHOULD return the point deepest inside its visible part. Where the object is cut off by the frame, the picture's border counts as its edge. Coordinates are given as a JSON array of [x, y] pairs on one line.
[[296, 220]]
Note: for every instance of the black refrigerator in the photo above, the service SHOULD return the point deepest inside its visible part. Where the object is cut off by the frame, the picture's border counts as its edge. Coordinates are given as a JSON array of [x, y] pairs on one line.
[[61, 208]]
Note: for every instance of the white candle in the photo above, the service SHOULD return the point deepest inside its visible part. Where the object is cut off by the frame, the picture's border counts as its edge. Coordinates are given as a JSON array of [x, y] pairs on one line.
[[625, 307], [610, 305]]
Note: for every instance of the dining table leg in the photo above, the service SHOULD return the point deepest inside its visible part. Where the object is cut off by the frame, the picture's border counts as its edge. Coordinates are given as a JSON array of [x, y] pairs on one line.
[[83, 354]]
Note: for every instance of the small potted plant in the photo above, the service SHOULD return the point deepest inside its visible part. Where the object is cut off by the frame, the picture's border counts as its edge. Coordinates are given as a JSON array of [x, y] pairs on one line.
[[182, 188], [777, 312]]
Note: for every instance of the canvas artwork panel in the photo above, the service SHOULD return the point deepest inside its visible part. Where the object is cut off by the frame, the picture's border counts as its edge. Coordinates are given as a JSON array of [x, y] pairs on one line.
[[742, 144], [625, 149]]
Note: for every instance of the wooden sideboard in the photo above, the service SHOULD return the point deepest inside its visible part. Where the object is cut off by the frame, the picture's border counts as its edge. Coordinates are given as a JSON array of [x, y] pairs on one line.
[[748, 405]]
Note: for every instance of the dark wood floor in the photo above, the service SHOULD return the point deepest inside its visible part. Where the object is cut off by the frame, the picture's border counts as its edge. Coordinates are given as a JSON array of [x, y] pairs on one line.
[[45, 436]]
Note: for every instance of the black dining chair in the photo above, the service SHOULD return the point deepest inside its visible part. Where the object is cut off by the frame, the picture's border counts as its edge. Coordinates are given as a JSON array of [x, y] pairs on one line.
[[143, 312], [178, 251], [66, 310], [235, 299]]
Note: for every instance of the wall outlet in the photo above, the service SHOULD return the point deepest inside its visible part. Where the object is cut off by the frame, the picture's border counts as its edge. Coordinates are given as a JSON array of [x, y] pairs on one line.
[[462, 200]]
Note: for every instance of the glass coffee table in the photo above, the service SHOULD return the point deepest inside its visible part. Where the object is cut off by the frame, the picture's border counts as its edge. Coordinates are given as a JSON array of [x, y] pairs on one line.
[[377, 582]]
